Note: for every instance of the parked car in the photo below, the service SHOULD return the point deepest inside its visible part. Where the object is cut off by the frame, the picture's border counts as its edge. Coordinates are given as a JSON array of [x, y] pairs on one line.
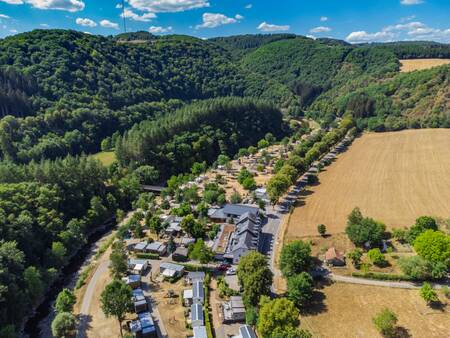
[[223, 267], [231, 271]]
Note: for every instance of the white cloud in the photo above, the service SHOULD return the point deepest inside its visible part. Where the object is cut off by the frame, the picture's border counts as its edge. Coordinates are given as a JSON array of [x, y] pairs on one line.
[[159, 29], [119, 6], [320, 29], [323, 18], [168, 6], [212, 20], [14, 31], [85, 22], [249, 6], [267, 27], [406, 31], [404, 27], [411, 2], [3, 16], [363, 36], [109, 24], [13, 2], [146, 17], [62, 5], [45, 25], [311, 37]]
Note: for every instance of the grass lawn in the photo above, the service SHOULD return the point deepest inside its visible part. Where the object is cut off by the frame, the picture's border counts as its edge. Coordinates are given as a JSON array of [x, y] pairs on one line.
[[106, 157]]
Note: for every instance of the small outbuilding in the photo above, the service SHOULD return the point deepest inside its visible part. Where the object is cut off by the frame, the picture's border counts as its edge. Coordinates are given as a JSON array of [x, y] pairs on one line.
[[156, 248], [138, 266], [134, 281], [180, 254], [140, 247], [139, 301], [171, 270], [334, 258], [188, 297], [195, 276], [233, 310]]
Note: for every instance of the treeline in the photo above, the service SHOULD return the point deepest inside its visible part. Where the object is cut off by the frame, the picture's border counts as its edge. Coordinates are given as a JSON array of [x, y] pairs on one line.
[[417, 49], [47, 209], [197, 133], [301, 158]]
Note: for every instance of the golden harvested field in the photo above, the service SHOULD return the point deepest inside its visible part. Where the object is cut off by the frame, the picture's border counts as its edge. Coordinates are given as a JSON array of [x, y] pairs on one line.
[[393, 177], [346, 311], [420, 64]]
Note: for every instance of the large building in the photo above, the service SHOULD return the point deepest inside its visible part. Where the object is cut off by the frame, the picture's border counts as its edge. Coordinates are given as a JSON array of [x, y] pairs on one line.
[[231, 212], [245, 238]]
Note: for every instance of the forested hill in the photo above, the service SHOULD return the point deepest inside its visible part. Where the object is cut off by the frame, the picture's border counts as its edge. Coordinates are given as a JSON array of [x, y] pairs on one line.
[[77, 89], [63, 92]]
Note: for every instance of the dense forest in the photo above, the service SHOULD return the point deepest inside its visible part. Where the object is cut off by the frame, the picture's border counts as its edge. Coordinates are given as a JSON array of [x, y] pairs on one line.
[[165, 103], [197, 133]]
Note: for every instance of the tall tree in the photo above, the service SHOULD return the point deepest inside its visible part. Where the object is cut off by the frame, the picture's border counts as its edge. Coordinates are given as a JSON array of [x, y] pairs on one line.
[[116, 301], [295, 258]]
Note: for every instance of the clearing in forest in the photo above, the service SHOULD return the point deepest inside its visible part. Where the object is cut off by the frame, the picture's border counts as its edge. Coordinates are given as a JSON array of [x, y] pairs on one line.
[[393, 177], [421, 64]]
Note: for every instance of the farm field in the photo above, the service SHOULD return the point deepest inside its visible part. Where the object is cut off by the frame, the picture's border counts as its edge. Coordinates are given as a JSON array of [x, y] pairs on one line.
[[393, 177], [339, 304], [420, 64]]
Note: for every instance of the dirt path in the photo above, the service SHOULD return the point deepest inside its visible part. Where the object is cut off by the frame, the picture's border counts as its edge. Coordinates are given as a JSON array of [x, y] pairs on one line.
[[87, 298], [389, 284]]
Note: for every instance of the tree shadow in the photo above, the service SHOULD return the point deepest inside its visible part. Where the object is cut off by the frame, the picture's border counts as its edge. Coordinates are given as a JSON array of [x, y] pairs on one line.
[[316, 305], [439, 306], [83, 325], [401, 332]]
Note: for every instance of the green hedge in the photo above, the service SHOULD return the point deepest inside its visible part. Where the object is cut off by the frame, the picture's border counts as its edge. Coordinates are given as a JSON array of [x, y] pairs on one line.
[[382, 276], [206, 313], [191, 267], [144, 255]]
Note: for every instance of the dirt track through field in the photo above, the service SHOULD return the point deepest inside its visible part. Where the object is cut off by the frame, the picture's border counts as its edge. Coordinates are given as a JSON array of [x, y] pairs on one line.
[[393, 177]]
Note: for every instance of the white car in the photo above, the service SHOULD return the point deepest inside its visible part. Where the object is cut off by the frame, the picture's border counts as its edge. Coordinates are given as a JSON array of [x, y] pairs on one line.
[[231, 271]]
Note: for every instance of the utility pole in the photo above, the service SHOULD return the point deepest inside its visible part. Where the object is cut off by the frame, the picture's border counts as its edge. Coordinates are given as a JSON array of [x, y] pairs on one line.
[[123, 16]]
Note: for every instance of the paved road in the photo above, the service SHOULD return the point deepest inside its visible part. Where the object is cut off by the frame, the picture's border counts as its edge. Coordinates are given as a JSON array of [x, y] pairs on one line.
[[86, 304]]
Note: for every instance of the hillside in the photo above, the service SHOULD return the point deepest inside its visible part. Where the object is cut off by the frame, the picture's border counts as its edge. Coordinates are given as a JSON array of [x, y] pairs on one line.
[[76, 89]]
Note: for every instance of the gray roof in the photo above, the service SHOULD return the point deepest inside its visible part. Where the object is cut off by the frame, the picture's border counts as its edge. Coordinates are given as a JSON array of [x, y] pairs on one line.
[[133, 261], [156, 246], [141, 245], [197, 312], [247, 332], [196, 275], [197, 290], [216, 213], [181, 250], [171, 266], [200, 332], [146, 319], [239, 209]]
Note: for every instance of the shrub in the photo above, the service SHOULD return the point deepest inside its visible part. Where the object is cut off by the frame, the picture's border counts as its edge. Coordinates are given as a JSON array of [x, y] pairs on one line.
[[376, 257], [428, 294], [415, 267], [385, 322], [322, 229], [355, 256]]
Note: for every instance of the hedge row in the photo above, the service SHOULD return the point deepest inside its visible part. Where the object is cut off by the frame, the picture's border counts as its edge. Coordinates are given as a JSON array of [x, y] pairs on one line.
[[382, 276]]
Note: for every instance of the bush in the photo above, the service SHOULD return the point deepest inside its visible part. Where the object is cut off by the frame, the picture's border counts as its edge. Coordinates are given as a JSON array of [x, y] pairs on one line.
[[385, 322], [433, 246], [415, 267], [322, 229], [376, 257], [147, 255], [428, 294], [355, 256]]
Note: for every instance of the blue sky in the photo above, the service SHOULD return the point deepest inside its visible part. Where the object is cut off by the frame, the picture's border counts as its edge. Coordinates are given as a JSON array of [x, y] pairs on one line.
[[351, 20]]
